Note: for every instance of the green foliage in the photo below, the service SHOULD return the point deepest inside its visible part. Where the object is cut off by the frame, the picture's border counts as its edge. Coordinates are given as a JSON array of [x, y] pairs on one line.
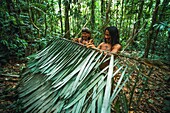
[[70, 78], [31, 25], [3, 55], [65, 77], [28, 26], [18, 33], [11, 42]]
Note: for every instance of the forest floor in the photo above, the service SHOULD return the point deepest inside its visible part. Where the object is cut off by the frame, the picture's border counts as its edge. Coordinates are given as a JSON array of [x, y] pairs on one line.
[[152, 101], [9, 79]]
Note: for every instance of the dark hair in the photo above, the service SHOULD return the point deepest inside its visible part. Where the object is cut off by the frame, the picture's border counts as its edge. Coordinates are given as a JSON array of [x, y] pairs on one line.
[[114, 33], [87, 30]]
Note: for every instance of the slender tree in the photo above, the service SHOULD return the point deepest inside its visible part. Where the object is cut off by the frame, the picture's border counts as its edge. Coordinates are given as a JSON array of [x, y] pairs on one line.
[[117, 12], [102, 10], [67, 23], [79, 15], [108, 11], [93, 14], [160, 19], [53, 14], [121, 17], [139, 16], [60, 13], [137, 25], [151, 30], [131, 18]]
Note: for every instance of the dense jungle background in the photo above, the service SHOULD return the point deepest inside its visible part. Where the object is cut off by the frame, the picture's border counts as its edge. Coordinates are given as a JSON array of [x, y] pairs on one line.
[[27, 26]]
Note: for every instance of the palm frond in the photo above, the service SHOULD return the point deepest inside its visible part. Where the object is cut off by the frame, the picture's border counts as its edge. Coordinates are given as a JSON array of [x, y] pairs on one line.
[[66, 77]]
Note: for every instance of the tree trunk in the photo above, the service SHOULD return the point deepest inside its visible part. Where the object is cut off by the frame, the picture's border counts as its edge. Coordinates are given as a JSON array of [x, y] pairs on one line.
[[92, 14], [151, 30], [117, 13], [121, 17], [45, 19], [78, 16], [52, 16], [131, 20], [75, 24], [161, 18], [102, 10], [67, 26], [137, 24], [139, 17], [61, 22], [108, 11]]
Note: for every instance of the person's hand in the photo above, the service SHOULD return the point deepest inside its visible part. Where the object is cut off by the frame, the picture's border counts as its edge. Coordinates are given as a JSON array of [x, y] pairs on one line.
[[91, 41], [89, 45], [75, 39]]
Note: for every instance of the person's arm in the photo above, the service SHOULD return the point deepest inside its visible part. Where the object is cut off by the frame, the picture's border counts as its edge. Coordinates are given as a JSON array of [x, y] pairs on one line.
[[116, 48], [91, 41], [90, 44], [99, 46], [76, 39]]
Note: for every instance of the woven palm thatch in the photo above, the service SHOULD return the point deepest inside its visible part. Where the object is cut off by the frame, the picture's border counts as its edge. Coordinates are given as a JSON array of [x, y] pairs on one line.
[[65, 78]]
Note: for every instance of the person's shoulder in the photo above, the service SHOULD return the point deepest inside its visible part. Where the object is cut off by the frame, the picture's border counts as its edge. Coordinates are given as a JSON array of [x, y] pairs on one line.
[[116, 48]]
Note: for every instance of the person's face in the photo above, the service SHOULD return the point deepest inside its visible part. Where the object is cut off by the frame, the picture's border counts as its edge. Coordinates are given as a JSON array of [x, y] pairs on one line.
[[88, 35], [107, 36], [85, 35]]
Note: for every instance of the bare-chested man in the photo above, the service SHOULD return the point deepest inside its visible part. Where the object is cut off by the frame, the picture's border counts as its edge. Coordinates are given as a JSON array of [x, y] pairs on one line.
[[111, 40], [85, 37]]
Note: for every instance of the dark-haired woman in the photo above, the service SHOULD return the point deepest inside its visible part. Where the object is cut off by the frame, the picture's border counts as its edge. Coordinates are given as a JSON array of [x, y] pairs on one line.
[[111, 43], [111, 40]]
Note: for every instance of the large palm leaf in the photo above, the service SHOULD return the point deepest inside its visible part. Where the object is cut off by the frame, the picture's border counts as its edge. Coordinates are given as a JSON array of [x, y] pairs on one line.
[[65, 77]]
